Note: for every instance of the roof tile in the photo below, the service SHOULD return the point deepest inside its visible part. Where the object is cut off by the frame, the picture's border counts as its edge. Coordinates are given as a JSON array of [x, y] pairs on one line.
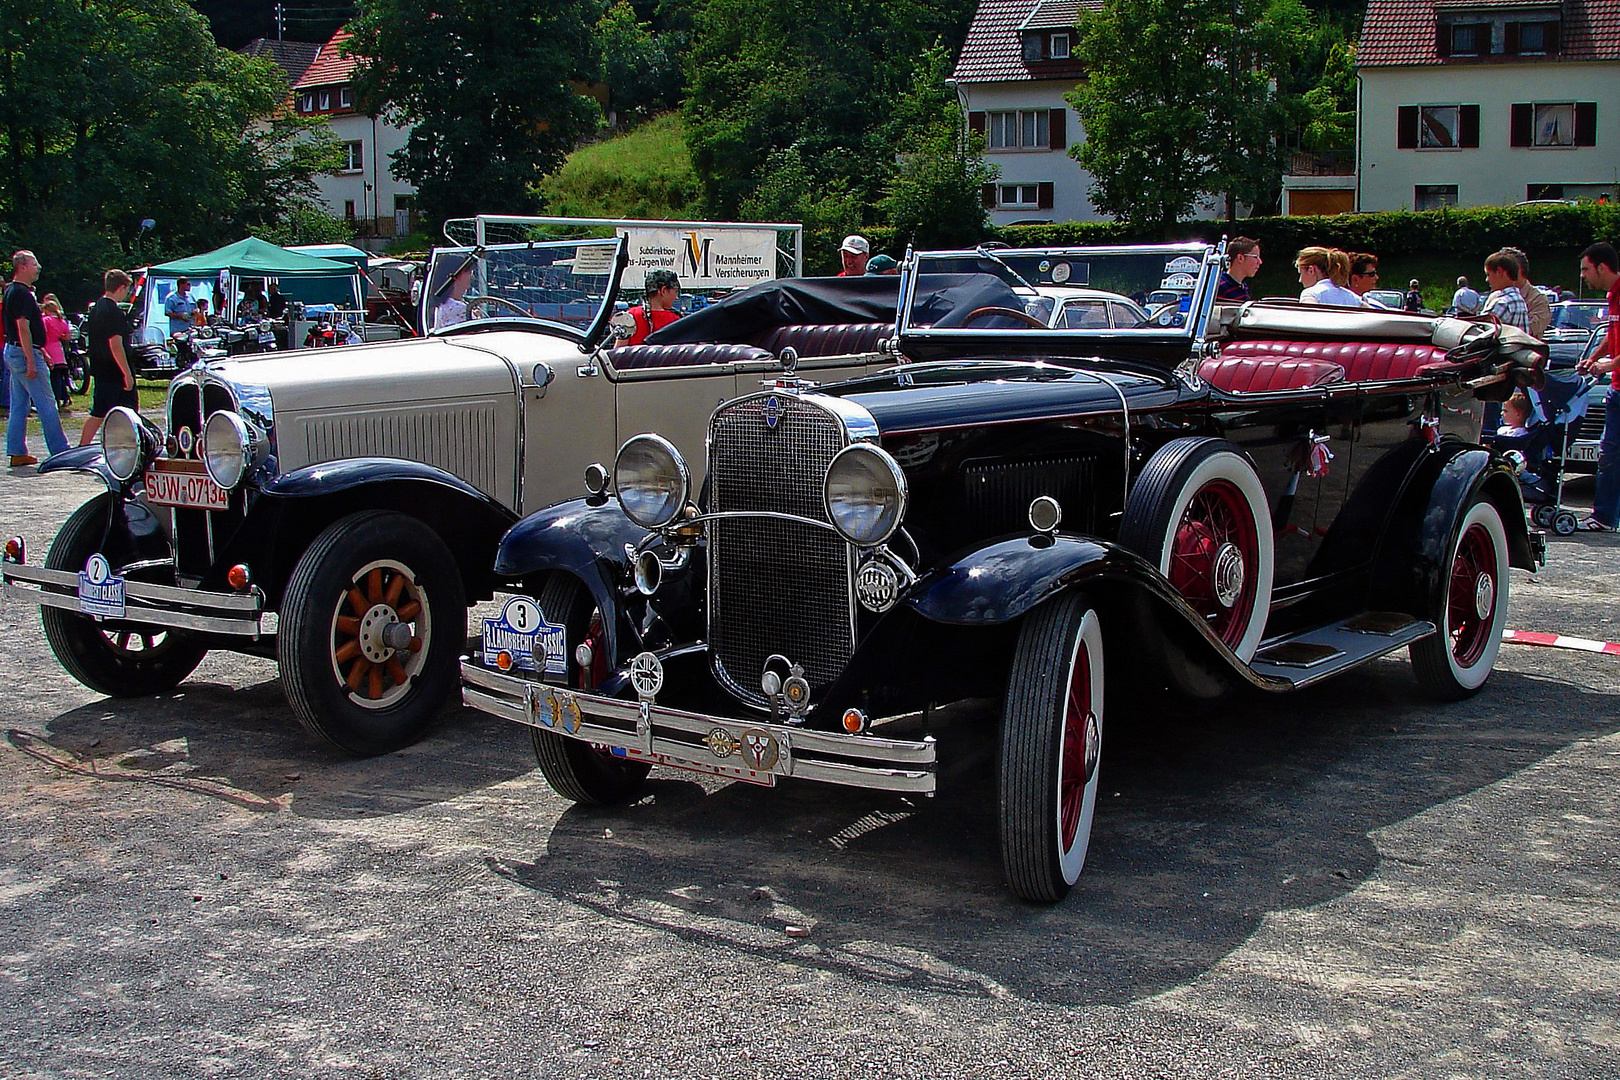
[[331, 66], [1401, 33], [994, 51]]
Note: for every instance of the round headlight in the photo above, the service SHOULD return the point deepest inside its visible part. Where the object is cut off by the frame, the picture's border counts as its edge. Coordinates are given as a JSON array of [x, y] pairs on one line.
[[228, 448], [866, 494], [651, 481], [126, 445]]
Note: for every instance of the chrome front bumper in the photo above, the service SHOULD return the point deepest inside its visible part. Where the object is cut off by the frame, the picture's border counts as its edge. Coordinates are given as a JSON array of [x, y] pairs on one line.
[[238, 614], [756, 753]]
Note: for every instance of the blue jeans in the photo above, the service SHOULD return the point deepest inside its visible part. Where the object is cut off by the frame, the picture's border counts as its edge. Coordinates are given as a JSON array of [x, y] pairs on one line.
[[44, 397], [1606, 504]]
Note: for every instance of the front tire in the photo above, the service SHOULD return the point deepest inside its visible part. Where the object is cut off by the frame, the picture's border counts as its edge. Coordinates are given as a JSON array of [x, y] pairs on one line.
[[1198, 512], [1454, 663], [116, 658], [1051, 744], [577, 770], [372, 623]]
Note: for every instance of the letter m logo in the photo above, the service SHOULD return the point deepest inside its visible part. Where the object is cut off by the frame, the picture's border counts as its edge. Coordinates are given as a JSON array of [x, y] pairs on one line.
[[696, 260]]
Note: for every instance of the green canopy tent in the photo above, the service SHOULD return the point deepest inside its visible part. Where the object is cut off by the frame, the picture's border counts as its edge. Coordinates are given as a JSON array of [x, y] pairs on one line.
[[253, 258]]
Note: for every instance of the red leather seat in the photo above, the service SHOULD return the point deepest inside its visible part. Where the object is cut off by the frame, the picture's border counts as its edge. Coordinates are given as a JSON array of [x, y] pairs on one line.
[[1236, 373], [1362, 361], [637, 357], [833, 339]]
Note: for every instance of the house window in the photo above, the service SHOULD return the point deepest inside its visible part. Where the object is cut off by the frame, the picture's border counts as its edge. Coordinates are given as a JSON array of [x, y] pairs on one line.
[[1437, 127], [1038, 196], [306, 102], [1533, 38], [1060, 46], [1530, 38], [348, 209], [346, 97], [1434, 196], [1553, 124], [325, 100], [1538, 192], [1019, 195], [1470, 39], [1025, 129], [354, 156]]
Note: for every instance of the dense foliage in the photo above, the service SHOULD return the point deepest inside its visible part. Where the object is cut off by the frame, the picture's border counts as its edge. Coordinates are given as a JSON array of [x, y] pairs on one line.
[[1187, 101], [113, 112], [645, 173], [488, 90]]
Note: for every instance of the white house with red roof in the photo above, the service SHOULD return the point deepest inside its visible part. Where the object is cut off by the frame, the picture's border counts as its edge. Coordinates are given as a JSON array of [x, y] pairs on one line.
[[1487, 102], [364, 190], [1014, 68]]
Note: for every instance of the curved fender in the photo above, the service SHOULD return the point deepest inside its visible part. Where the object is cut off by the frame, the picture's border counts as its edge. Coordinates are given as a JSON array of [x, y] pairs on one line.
[[134, 534], [1001, 582], [1415, 554], [584, 537], [85, 459], [334, 476]]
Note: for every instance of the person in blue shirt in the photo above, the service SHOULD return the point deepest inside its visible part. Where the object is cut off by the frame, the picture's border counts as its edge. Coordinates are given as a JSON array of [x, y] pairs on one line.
[[180, 307], [1243, 262]]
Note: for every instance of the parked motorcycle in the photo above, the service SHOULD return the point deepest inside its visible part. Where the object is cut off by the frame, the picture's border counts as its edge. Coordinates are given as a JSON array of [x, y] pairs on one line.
[[77, 351]]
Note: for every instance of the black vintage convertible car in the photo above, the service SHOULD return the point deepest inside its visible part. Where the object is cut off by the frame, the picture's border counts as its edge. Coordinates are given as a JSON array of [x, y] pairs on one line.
[[1069, 521]]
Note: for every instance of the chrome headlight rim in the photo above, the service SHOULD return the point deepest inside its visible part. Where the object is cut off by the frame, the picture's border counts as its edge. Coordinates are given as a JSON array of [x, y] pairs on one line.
[[887, 467], [125, 462], [673, 499], [236, 456]]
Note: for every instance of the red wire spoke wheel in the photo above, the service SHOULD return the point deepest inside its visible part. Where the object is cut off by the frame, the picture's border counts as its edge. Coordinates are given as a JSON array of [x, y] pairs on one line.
[[1471, 611]]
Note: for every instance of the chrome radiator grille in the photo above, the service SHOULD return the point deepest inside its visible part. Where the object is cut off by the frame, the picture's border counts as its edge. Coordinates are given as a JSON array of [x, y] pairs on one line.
[[776, 586], [198, 534]]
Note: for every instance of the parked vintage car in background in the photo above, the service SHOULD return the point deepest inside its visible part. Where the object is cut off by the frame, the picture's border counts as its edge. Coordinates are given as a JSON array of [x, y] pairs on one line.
[[338, 512], [1571, 329], [1070, 521]]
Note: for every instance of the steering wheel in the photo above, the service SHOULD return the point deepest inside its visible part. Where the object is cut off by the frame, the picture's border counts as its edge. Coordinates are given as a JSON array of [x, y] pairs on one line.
[[487, 299], [1012, 313]]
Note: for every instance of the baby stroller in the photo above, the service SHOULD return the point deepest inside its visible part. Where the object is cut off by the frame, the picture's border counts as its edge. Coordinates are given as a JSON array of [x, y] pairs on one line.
[[1558, 407]]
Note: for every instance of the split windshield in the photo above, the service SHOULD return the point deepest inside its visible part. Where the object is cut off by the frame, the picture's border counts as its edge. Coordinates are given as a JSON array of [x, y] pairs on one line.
[[1074, 291], [564, 282]]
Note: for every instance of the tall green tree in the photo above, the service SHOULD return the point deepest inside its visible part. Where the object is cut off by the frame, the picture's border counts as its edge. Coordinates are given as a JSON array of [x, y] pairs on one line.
[[117, 111], [488, 89], [822, 76], [1186, 100]]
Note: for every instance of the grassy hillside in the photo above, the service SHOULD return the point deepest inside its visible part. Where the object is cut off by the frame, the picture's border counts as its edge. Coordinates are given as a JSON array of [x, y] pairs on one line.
[[646, 173]]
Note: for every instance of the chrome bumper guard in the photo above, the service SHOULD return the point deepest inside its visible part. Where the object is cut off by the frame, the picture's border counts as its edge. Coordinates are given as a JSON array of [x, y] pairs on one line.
[[720, 746], [145, 603]]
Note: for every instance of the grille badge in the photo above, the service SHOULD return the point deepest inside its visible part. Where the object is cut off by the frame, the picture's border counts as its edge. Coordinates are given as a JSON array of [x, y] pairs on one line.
[[773, 412]]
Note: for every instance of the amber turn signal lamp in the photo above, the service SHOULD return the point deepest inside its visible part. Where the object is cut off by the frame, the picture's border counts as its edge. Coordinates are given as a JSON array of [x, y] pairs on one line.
[[15, 550], [854, 721], [503, 660], [239, 577]]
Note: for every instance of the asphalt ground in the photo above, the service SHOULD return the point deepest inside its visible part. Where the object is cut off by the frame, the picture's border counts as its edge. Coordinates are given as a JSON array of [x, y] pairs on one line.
[[1348, 882]]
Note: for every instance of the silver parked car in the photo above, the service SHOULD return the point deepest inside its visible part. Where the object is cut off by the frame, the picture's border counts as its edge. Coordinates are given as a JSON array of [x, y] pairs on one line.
[[339, 511]]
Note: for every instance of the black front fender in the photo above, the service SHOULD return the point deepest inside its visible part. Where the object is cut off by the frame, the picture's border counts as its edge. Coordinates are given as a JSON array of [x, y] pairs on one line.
[[85, 459]]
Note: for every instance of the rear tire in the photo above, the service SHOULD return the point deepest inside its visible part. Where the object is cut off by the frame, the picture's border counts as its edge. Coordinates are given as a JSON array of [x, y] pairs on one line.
[[1051, 744], [120, 659], [577, 770], [349, 677], [1454, 662]]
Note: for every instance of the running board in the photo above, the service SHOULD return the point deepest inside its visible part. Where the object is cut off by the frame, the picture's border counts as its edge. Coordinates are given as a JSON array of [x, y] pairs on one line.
[[1315, 655]]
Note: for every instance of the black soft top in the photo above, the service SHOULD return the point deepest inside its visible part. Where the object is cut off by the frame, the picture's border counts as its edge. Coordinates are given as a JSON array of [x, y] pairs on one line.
[[754, 312]]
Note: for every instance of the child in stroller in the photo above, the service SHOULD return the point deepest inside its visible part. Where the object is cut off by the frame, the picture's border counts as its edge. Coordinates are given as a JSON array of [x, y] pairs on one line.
[[1539, 425]]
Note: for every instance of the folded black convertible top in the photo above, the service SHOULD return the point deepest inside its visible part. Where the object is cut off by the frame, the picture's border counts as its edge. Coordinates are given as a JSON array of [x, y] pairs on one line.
[[749, 315]]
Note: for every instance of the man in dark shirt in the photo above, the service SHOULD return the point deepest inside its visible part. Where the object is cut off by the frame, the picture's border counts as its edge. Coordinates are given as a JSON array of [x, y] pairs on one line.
[[1243, 262], [107, 330], [25, 361]]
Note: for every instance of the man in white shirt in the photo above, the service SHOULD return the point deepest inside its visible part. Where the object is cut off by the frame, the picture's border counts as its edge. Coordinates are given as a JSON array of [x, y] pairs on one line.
[[1465, 299]]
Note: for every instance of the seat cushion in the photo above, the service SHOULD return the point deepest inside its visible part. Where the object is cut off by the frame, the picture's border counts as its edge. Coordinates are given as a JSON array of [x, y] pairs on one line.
[[833, 339], [1240, 374], [636, 357], [1362, 361]]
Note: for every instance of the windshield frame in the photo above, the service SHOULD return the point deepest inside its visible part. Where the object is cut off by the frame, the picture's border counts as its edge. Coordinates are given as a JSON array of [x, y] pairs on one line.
[[594, 328], [1211, 259]]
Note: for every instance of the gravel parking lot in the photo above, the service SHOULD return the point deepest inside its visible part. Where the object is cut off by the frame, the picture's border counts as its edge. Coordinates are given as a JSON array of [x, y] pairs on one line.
[[1350, 882]]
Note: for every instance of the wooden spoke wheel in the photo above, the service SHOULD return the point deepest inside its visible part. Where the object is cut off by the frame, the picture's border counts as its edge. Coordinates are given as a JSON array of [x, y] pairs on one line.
[[122, 659], [371, 628]]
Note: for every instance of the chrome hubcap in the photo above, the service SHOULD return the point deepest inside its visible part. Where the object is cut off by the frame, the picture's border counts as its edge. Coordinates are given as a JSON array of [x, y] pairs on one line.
[[1484, 596], [1229, 575]]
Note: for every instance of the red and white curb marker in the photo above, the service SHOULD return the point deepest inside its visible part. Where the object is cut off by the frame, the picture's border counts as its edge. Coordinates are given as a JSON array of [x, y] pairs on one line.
[[1559, 641]]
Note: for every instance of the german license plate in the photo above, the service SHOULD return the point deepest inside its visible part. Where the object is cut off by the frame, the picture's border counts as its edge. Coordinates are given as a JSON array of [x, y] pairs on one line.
[[184, 483], [1583, 452]]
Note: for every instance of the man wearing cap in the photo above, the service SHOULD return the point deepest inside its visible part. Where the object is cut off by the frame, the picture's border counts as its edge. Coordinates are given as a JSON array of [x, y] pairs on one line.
[[180, 307], [881, 265], [855, 252]]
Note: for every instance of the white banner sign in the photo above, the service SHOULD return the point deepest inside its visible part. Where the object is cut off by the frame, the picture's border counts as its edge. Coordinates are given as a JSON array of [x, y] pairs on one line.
[[703, 259]]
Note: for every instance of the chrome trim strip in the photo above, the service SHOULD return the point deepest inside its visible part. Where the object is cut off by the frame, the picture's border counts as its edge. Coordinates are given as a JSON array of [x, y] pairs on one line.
[[211, 612], [896, 764]]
